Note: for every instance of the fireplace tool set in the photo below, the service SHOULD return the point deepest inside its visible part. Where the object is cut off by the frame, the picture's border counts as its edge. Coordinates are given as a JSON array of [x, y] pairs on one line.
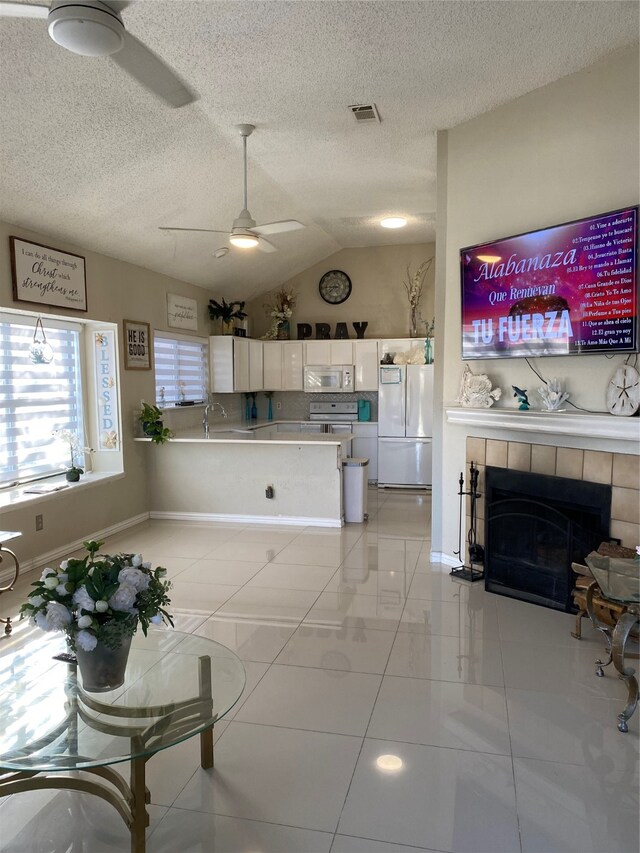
[[476, 551]]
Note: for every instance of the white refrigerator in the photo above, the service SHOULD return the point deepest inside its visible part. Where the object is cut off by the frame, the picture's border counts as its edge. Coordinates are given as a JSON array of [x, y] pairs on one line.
[[405, 418]]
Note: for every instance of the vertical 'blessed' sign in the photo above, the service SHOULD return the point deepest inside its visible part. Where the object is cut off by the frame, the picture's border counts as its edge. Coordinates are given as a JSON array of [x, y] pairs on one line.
[[107, 392], [47, 276]]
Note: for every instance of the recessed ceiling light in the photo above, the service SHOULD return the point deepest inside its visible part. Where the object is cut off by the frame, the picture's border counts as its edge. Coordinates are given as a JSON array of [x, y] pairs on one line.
[[244, 240], [489, 259], [389, 763], [393, 222]]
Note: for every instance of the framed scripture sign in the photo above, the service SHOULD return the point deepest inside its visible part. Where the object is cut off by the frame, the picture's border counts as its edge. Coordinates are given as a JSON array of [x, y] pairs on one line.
[[182, 313], [137, 345], [47, 276]]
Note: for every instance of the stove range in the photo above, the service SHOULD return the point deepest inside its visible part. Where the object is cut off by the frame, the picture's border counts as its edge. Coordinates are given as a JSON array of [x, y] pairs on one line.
[[333, 412]]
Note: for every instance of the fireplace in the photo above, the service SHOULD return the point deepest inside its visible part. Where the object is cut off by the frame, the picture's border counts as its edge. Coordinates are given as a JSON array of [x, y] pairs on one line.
[[535, 527]]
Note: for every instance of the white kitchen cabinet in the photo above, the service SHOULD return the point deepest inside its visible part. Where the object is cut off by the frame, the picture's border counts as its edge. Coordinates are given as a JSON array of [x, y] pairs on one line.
[[272, 353], [341, 352], [366, 364], [255, 365], [317, 352], [292, 363], [365, 446], [328, 352], [241, 364], [282, 365], [235, 364]]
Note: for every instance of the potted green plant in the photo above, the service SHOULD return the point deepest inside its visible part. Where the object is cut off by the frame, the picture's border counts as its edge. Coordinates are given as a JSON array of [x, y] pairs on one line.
[[152, 424], [227, 313]]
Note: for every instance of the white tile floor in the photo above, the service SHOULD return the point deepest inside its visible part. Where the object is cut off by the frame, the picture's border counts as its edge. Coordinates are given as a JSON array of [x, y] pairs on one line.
[[388, 708]]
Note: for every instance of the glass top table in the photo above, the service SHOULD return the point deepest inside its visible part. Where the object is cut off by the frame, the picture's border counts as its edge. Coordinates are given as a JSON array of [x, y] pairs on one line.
[[176, 686], [619, 581]]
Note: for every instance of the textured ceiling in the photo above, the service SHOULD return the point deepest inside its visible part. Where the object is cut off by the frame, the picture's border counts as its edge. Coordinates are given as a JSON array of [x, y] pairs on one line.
[[88, 156]]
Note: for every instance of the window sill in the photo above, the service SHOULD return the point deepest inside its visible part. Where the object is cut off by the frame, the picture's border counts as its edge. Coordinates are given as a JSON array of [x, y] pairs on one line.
[[15, 498]]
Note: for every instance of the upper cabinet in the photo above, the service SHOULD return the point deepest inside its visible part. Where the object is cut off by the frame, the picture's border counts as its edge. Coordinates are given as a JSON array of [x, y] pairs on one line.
[[366, 365], [292, 364], [282, 365], [328, 352], [235, 364]]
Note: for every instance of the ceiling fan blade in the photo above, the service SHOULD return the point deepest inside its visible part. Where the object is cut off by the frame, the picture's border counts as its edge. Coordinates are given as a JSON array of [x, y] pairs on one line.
[[23, 10], [266, 246], [196, 230], [151, 72], [279, 227]]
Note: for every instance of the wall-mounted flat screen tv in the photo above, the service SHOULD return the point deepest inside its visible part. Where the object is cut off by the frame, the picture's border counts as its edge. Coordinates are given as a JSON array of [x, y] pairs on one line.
[[569, 289]]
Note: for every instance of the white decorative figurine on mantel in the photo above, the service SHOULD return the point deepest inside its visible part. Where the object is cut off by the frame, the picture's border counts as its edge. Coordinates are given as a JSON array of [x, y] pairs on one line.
[[476, 391], [552, 395]]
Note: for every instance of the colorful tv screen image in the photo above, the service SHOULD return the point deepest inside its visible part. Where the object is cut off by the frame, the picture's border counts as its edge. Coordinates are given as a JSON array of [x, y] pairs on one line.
[[563, 290]]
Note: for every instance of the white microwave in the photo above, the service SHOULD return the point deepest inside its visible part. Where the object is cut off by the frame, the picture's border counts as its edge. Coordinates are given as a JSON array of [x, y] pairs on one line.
[[329, 379]]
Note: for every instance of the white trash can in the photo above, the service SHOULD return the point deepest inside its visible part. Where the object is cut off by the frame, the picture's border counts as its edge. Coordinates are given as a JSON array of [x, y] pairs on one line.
[[355, 482]]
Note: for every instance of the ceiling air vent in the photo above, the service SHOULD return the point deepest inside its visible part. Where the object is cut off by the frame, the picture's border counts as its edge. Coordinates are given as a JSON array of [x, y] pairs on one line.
[[365, 113]]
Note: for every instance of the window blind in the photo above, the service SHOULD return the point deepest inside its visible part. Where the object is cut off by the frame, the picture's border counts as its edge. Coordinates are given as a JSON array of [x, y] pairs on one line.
[[36, 399], [181, 368]]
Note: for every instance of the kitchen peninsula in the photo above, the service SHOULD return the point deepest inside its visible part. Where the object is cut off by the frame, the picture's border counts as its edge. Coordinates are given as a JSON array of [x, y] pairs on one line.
[[227, 475]]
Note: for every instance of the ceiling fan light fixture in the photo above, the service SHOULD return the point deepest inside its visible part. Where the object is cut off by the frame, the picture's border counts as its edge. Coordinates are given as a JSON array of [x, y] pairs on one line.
[[393, 222], [86, 30], [244, 240]]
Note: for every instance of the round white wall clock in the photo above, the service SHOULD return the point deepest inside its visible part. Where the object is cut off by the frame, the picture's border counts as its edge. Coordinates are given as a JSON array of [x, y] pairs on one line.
[[623, 391]]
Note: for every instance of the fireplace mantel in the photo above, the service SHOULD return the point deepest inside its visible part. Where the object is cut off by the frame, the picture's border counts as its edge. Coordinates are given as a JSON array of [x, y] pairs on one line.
[[580, 424]]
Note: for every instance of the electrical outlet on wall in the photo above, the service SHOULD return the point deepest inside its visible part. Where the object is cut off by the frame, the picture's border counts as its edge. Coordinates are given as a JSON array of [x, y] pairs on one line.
[[278, 404], [39, 523]]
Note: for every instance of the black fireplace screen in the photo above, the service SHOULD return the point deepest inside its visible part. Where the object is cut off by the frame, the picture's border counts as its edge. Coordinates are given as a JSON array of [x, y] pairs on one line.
[[535, 527]]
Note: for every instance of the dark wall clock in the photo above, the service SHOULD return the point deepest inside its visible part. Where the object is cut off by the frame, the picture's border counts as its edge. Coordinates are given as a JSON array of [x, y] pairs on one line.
[[335, 287]]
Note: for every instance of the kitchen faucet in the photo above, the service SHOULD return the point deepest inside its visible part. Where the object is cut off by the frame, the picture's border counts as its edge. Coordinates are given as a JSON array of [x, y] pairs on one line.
[[205, 418]]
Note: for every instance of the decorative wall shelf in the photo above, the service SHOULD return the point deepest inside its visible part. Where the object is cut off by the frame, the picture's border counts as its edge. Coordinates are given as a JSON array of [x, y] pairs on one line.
[[581, 424]]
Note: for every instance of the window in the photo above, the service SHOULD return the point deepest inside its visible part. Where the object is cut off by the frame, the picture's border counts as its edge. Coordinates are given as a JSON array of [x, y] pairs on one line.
[[181, 366], [36, 399]]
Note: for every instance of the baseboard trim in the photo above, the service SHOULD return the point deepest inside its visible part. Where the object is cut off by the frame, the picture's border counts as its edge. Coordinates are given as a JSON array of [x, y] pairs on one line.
[[63, 552], [445, 559], [292, 520]]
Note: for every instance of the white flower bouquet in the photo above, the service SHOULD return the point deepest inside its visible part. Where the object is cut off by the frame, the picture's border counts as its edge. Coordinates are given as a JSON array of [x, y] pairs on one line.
[[280, 310], [75, 449], [99, 598]]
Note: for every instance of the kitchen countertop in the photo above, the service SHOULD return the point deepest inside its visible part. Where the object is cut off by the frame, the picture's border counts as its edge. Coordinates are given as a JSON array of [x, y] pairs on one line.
[[233, 433], [221, 431]]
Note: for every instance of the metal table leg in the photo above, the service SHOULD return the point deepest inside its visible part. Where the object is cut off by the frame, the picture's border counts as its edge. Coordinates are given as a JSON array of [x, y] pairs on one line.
[[16, 571], [600, 626], [620, 636]]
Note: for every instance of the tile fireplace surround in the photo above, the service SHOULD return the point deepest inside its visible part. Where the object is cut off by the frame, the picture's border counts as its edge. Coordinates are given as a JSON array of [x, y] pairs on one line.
[[619, 469]]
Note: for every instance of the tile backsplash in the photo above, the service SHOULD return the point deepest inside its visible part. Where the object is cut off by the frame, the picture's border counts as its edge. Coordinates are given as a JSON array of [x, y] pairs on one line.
[[294, 406]]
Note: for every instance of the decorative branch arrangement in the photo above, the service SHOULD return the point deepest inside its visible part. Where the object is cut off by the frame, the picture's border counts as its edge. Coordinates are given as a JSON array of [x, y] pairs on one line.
[[280, 310], [414, 285]]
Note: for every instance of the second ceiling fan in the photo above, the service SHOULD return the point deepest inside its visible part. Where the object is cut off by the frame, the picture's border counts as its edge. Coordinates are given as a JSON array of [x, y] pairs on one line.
[[245, 234]]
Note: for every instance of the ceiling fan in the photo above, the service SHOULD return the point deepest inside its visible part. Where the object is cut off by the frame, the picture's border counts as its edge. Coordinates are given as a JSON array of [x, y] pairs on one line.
[[93, 28], [245, 234]]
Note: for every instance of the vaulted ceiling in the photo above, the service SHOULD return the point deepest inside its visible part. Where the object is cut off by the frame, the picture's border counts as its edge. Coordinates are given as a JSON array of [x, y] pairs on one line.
[[88, 156]]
